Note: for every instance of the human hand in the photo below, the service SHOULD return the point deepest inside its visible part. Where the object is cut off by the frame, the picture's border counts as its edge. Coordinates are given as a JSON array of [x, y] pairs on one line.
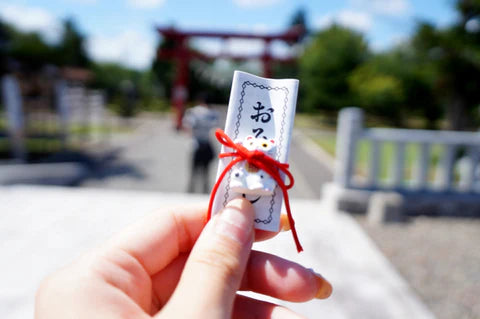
[[174, 265]]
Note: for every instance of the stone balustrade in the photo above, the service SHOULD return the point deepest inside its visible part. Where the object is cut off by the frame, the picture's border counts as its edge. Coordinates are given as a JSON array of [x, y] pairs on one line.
[[456, 166]]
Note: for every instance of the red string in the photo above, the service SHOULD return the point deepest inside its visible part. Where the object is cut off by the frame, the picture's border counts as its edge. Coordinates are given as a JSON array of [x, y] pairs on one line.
[[262, 161]]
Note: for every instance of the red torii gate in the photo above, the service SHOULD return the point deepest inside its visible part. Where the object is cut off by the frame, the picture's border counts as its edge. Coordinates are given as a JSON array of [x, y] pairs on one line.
[[182, 55]]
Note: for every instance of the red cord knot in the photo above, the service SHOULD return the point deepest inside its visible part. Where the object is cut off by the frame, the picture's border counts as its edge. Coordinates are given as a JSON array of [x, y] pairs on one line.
[[262, 161]]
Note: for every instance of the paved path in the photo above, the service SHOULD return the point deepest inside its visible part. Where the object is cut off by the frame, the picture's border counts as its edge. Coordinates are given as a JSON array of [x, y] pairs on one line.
[[42, 228], [155, 157], [152, 157]]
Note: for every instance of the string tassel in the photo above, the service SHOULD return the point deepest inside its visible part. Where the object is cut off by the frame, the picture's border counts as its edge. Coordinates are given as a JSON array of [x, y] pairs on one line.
[[263, 162]]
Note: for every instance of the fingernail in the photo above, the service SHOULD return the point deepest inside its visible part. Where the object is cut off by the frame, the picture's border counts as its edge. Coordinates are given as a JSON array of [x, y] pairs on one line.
[[324, 287], [285, 224], [234, 223]]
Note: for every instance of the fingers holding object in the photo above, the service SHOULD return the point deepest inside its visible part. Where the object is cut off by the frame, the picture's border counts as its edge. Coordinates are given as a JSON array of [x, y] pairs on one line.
[[261, 235], [265, 274], [249, 308], [283, 279]]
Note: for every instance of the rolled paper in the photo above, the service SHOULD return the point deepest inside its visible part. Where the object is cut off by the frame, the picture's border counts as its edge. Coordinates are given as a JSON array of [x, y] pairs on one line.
[[260, 118]]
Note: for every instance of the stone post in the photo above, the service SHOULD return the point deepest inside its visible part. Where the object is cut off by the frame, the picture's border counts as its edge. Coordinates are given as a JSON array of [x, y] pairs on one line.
[[12, 100], [423, 166], [445, 169], [374, 167], [63, 110], [349, 129]]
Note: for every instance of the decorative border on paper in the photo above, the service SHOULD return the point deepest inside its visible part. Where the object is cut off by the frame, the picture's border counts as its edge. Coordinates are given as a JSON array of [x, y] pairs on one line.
[[281, 138]]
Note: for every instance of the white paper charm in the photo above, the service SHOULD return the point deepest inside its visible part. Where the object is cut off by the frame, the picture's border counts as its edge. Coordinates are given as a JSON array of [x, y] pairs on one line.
[[260, 117]]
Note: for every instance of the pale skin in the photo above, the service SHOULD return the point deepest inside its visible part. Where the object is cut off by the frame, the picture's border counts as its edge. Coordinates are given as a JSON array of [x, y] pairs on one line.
[[173, 264]]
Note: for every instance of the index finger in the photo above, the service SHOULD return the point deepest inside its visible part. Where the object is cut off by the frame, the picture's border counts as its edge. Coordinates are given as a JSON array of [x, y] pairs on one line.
[[156, 240], [161, 237]]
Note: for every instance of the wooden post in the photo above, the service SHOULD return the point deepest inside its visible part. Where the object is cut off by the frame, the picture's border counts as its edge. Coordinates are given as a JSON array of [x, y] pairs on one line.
[[350, 126]]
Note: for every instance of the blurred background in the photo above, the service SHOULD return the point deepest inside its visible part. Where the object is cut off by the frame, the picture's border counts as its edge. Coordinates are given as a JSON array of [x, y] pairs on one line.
[[93, 94]]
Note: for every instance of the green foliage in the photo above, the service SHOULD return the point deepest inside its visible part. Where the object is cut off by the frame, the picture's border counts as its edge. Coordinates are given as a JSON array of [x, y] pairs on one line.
[[435, 74], [71, 49], [326, 65], [299, 20], [379, 93], [33, 51], [395, 85], [128, 91], [454, 56], [164, 71], [468, 8], [109, 76], [29, 48]]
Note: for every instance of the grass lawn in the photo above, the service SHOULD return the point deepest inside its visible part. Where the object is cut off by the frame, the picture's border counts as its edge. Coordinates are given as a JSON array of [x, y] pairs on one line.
[[316, 121]]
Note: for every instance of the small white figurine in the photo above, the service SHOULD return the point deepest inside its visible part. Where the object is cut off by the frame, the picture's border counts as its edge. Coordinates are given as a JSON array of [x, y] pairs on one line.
[[249, 179]]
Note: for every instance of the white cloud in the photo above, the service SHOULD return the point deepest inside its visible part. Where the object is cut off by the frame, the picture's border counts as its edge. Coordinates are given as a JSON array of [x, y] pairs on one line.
[[208, 46], [254, 3], [360, 21], [246, 47], [145, 4], [384, 7], [281, 49], [32, 19], [257, 28], [129, 48]]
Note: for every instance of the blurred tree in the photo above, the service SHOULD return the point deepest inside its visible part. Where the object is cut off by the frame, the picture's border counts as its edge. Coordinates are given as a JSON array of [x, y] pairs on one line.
[[290, 70], [299, 19], [71, 48], [454, 55], [32, 51], [109, 76], [128, 91], [120, 84], [29, 48], [4, 47], [326, 65], [468, 9], [377, 91], [164, 70], [395, 85]]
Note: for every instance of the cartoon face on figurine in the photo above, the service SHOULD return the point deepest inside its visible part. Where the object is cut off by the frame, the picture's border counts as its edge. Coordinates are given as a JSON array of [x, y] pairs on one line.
[[249, 179]]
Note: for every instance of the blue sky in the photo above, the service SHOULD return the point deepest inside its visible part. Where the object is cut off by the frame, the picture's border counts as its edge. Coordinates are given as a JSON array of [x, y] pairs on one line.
[[123, 30]]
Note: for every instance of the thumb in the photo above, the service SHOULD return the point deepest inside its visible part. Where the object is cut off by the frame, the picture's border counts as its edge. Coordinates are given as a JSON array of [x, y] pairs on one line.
[[215, 267]]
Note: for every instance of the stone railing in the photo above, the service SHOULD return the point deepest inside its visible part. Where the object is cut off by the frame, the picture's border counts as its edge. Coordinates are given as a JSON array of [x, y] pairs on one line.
[[453, 173], [443, 171]]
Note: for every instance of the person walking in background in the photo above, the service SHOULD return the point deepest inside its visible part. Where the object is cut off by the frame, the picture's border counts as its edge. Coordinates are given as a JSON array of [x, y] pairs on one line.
[[200, 120]]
